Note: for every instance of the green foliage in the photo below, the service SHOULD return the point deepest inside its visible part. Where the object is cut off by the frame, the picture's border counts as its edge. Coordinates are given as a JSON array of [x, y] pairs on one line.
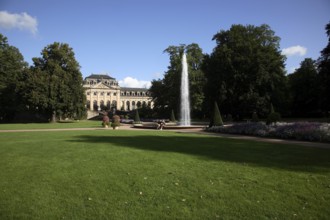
[[229, 118], [304, 89], [172, 118], [272, 108], [115, 121], [12, 67], [61, 93], [324, 75], [105, 121], [245, 70], [273, 118], [216, 119], [137, 117]]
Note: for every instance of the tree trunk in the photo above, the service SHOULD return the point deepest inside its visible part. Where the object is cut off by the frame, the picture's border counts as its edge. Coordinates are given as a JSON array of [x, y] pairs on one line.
[[53, 119]]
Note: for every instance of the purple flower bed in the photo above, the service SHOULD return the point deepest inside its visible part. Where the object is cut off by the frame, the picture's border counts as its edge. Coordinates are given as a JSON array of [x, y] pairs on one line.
[[307, 131]]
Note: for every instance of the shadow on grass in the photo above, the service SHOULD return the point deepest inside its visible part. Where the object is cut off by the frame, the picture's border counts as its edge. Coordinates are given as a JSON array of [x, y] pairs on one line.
[[288, 157]]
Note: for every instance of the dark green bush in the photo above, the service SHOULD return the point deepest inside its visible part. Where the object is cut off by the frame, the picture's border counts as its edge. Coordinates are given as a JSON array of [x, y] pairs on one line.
[[115, 121], [105, 121], [137, 117], [172, 119], [255, 117], [216, 120], [273, 117]]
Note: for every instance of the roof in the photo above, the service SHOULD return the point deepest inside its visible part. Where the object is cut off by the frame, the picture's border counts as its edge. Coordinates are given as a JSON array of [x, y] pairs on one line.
[[99, 76], [133, 89]]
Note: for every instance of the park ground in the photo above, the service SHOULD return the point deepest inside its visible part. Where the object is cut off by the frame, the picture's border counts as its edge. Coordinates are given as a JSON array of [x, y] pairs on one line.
[[82, 171]]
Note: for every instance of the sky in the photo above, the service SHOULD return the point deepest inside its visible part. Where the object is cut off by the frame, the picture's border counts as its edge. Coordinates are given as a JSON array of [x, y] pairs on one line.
[[126, 38]]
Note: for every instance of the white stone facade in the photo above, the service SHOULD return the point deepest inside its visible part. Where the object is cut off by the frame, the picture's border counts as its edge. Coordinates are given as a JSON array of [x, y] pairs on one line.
[[103, 92]]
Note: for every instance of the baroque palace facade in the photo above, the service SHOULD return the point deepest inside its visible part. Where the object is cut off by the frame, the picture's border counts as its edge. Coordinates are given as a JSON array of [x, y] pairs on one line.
[[104, 93]]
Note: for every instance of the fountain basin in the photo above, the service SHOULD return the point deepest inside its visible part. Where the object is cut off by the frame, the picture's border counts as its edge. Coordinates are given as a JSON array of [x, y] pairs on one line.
[[168, 126]]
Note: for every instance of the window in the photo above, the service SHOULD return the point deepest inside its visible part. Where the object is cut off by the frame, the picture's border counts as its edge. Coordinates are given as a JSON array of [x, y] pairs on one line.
[[109, 93], [102, 93], [88, 93], [114, 94], [95, 93]]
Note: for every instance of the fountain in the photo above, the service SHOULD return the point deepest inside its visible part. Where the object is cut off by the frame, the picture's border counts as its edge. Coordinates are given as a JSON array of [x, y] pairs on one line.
[[184, 122], [185, 103]]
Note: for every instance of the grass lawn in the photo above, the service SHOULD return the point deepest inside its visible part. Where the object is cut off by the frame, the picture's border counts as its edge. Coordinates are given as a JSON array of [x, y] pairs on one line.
[[117, 174], [63, 124]]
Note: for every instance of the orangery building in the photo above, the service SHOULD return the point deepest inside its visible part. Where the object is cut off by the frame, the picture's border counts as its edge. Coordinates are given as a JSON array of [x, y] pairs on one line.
[[104, 93]]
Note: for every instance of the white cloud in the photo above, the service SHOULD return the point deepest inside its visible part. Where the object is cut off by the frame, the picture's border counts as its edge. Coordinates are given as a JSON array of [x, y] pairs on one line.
[[134, 83], [21, 21], [294, 51]]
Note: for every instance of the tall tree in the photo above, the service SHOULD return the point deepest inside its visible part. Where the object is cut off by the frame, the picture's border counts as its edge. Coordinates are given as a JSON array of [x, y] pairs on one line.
[[62, 93], [245, 71], [304, 89], [165, 92], [12, 66], [324, 74]]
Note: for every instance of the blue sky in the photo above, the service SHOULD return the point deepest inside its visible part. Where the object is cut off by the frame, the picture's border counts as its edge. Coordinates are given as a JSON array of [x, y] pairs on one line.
[[126, 38]]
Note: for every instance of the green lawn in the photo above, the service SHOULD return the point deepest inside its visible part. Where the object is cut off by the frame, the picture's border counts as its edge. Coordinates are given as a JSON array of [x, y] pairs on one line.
[[117, 174], [57, 125]]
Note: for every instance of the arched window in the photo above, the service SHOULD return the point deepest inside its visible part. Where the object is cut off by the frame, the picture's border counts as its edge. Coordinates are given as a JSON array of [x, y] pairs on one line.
[[95, 107], [128, 106], [102, 106], [138, 104], [133, 105]]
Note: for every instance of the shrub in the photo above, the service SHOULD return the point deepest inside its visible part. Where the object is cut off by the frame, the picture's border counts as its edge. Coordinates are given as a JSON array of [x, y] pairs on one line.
[[115, 121], [137, 117], [229, 118], [172, 119], [216, 120], [273, 117], [105, 121], [307, 131], [255, 117]]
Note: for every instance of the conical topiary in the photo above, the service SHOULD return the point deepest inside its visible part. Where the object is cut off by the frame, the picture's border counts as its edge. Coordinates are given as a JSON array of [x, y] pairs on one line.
[[273, 116], [172, 119], [271, 108], [137, 117], [216, 119], [255, 117]]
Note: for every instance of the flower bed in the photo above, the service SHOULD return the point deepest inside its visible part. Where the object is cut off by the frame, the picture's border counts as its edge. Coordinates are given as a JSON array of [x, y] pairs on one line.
[[307, 131]]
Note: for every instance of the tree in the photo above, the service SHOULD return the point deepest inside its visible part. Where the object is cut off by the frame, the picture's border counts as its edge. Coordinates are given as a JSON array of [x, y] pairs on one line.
[[304, 89], [12, 66], [245, 71], [60, 73], [324, 74], [165, 91]]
